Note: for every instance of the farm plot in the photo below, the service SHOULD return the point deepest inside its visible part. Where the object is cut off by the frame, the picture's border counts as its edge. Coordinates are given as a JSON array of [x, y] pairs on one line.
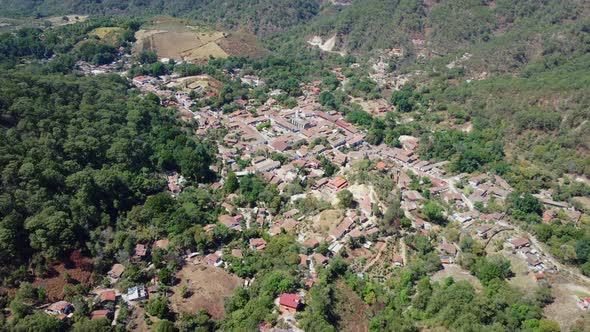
[[208, 287]]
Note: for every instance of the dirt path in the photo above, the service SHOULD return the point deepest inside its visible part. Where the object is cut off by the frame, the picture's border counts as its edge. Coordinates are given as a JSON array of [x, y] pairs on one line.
[[376, 259]]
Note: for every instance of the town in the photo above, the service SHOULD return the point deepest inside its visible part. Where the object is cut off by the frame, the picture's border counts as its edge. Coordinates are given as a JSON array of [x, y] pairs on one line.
[[356, 183]]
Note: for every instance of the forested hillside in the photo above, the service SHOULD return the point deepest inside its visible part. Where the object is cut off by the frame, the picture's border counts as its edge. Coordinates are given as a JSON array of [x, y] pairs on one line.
[[259, 16], [76, 155], [383, 183]]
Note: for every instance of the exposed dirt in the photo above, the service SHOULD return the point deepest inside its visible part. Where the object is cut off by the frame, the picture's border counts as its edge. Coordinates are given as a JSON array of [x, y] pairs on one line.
[[208, 287], [177, 39], [326, 220], [564, 309], [351, 309], [455, 271], [107, 34], [77, 267]]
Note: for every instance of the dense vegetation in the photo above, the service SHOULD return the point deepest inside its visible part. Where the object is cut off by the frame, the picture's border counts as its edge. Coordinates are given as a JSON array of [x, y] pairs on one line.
[[77, 154], [83, 158]]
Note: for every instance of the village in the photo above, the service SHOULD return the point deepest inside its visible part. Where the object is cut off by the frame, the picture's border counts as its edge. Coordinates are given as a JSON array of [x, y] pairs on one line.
[[306, 137]]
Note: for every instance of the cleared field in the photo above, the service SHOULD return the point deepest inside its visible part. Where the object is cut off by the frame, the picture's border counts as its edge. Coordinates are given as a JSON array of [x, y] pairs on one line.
[[78, 268], [351, 309], [208, 286], [327, 219], [523, 277], [178, 39], [107, 34], [455, 271], [564, 309]]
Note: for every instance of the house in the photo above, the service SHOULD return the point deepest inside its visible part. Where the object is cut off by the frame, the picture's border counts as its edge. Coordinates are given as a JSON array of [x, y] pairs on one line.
[[584, 303], [445, 260], [520, 242], [311, 243], [136, 293], [60, 307], [289, 302], [257, 244], [320, 259], [398, 260], [476, 180], [381, 166], [404, 180], [140, 251], [213, 259], [108, 296], [209, 228], [228, 221], [483, 230], [338, 183], [237, 253], [533, 261], [339, 231], [98, 314], [366, 206], [419, 223], [320, 183], [449, 248], [413, 196], [116, 271], [303, 260]]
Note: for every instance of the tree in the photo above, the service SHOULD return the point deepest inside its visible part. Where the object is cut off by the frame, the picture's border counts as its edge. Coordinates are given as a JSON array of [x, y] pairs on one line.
[[402, 99], [166, 276], [39, 322], [94, 325], [165, 326], [547, 325], [327, 99], [159, 307], [434, 213], [495, 267], [345, 198], [147, 57]]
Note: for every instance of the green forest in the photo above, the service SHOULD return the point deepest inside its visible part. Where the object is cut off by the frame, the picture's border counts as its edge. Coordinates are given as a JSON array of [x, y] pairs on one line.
[[84, 159]]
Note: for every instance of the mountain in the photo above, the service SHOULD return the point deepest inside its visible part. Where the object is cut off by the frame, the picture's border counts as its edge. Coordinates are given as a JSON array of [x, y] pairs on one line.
[[259, 16]]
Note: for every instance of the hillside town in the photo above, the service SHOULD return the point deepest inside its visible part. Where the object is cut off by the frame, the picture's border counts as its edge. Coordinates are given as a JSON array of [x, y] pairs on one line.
[[283, 146]]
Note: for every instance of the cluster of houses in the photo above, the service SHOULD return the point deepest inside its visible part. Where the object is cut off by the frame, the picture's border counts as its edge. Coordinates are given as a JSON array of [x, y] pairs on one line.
[[305, 136]]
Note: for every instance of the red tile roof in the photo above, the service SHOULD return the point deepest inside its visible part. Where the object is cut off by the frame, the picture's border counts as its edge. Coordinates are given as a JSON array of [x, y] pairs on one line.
[[290, 300], [108, 296]]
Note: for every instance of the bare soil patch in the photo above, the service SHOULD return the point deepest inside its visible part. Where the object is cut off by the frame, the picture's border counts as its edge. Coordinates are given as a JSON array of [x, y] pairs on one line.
[[351, 309], [455, 271], [78, 268], [564, 309], [208, 286], [327, 219]]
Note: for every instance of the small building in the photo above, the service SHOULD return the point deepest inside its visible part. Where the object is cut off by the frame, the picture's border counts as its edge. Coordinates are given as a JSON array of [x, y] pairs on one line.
[[257, 244], [449, 248], [108, 296], [398, 260], [98, 314], [520, 242], [584, 303], [290, 302], [116, 271], [136, 293], [213, 259], [483, 230], [338, 183], [140, 251], [59, 308]]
